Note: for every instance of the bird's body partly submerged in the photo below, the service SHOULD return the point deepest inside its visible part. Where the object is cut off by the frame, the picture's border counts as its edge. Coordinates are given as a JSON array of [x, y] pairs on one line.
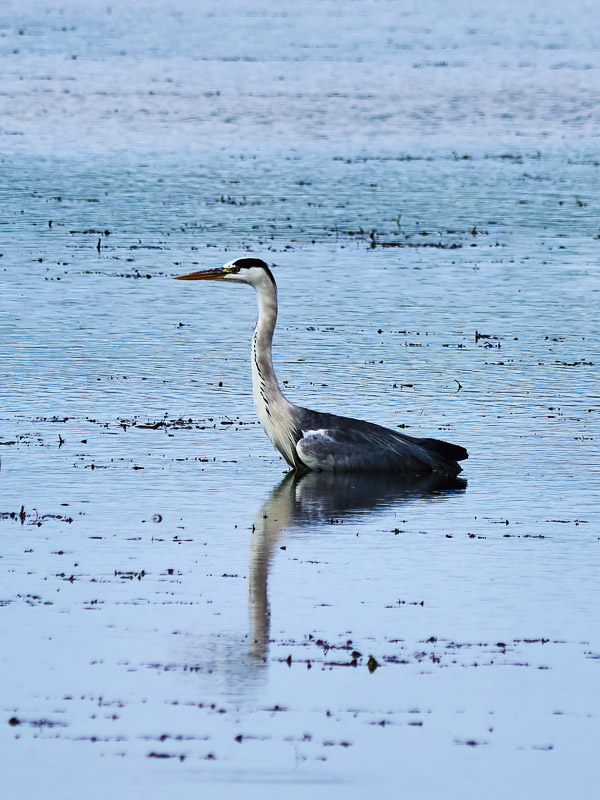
[[312, 440]]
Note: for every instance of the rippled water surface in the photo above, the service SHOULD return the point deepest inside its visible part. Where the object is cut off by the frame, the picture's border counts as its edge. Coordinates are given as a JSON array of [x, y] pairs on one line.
[[177, 616]]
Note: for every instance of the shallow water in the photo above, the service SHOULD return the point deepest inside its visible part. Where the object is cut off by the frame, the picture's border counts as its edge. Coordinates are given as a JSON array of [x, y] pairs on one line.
[[175, 613]]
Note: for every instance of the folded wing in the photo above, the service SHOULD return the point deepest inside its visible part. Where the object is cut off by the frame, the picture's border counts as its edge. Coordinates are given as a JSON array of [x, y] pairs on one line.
[[333, 443]]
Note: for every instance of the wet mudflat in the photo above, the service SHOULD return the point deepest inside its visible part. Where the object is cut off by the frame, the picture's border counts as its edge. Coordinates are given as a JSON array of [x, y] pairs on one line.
[[177, 616]]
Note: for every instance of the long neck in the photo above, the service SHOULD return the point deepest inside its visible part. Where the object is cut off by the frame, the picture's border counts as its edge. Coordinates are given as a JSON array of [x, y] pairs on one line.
[[272, 407], [263, 374]]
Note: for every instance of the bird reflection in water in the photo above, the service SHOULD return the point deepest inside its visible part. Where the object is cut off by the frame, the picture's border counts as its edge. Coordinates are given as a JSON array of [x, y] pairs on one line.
[[315, 498]]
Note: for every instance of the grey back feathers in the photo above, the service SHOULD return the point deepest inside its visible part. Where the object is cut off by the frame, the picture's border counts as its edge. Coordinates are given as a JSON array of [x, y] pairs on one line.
[[333, 443]]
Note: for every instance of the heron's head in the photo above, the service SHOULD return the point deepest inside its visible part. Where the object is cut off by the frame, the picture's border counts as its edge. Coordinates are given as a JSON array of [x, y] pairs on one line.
[[241, 270]]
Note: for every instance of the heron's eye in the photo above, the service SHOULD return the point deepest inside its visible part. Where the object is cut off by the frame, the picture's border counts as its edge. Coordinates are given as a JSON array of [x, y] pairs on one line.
[[233, 269]]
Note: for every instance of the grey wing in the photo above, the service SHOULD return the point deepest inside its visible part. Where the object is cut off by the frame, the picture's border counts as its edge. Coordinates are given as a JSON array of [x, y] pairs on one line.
[[346, 445]]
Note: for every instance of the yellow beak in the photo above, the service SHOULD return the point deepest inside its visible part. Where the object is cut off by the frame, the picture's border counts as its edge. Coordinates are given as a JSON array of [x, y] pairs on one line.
[[203, 275]]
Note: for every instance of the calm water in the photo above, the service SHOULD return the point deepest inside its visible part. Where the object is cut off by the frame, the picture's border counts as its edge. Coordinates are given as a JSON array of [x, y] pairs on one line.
[[178, 618]]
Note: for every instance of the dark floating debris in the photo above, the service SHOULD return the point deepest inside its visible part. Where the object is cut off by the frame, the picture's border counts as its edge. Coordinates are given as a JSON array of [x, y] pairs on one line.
[[469, 742], [437, 245], [37, 723]]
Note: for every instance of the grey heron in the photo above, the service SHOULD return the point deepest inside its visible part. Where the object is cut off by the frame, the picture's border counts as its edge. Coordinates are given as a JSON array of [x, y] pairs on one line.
[[311, 440]]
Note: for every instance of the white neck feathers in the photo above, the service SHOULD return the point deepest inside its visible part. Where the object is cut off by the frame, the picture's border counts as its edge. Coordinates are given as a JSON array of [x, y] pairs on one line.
[[274, 411]]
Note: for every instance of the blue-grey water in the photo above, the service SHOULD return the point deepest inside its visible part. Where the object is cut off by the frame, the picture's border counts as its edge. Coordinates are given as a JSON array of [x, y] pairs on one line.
[[176, 619]]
